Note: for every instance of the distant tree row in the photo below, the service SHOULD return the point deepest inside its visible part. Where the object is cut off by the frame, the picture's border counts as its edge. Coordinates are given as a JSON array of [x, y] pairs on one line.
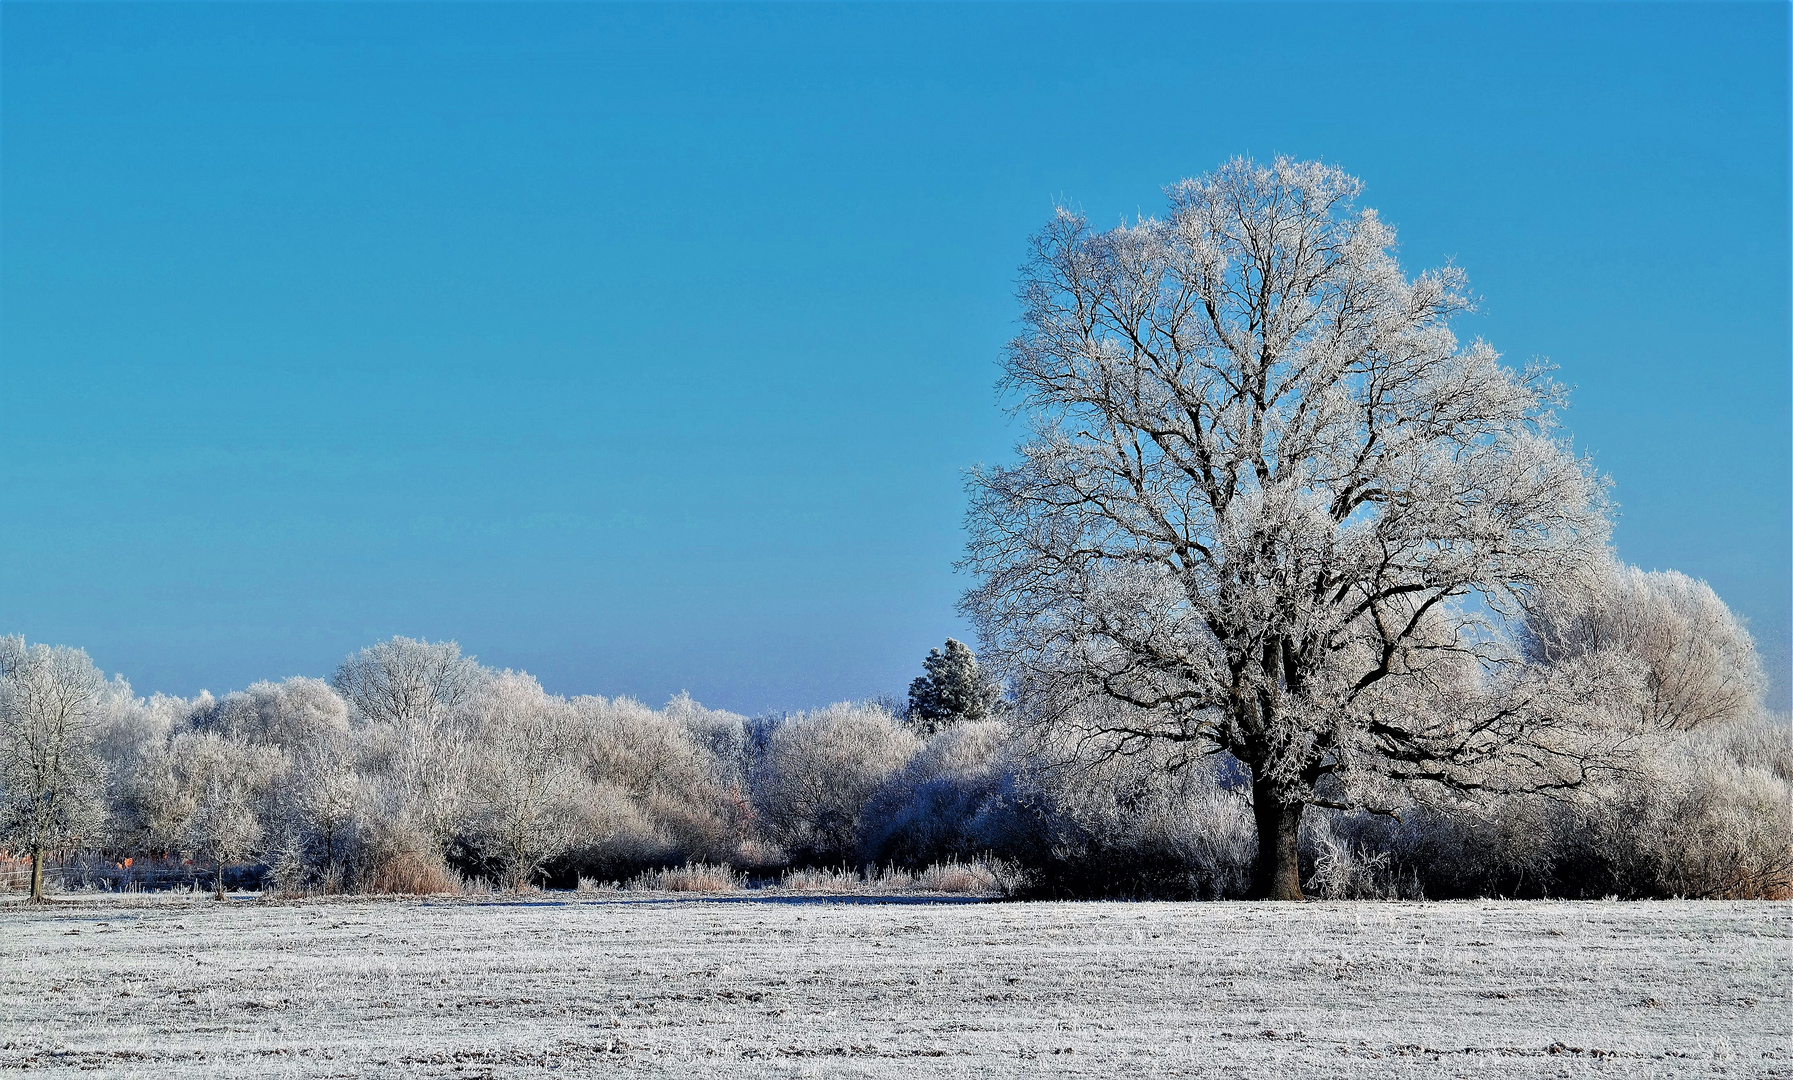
[[414, 768]]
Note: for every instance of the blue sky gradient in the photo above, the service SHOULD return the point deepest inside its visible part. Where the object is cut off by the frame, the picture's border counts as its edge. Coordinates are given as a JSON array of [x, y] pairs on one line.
[[645, 348]]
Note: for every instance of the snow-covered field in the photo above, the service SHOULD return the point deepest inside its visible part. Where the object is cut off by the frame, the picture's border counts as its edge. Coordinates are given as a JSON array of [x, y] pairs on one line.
[[768, 987]]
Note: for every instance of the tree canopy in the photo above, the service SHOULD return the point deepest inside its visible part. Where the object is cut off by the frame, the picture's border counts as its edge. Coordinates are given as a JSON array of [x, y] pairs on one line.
[[1262, 476]]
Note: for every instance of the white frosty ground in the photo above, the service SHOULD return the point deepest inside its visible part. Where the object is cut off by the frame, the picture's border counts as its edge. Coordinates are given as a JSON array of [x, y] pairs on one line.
[[667, 987]]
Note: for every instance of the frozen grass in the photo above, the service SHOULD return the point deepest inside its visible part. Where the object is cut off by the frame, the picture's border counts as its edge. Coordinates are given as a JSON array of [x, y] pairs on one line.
[[976, 878], [952, 877], [778, 984], [693, 877]]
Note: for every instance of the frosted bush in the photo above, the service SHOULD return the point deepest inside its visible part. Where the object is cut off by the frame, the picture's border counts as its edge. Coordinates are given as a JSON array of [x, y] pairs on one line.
[[818, 770], [958, 877], [407, 872], [1706, 813], [973, 878], [293, 714], [1711, 816], [1343, 870], [685, 802], [923, 812], [720, 734], [526, 783], [1697, 662], [326, 807], [1121, 827]]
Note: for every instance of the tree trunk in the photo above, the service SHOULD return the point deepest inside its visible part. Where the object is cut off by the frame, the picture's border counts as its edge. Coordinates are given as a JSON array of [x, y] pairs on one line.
[[1277, 875], [37, 874], [220, 893]]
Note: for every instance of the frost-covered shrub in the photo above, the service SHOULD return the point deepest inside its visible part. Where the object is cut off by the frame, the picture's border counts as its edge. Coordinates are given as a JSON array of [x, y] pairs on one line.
[[821, 879], [1344, 869], [722, 735], [394, 864], [969, 878], [1706, 813], [1697, 662], [923, 813], [1763, 742], [526, 785], [615, 838], [292, 714], [975, 877], [659, 792], [817, 771], [1709, 815], [1123, 827]]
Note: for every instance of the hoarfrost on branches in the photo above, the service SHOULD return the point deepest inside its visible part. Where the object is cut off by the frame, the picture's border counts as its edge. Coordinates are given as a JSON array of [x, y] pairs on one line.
[[52, 783], [526, 784], [413, 693], [1263, 475], [1697, 662]]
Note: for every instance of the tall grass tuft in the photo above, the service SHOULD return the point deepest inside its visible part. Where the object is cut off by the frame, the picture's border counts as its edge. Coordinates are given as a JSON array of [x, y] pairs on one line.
[[691, 878]]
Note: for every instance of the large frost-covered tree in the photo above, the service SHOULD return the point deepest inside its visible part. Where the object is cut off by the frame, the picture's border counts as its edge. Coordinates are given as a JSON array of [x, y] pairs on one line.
[[1262, 475]]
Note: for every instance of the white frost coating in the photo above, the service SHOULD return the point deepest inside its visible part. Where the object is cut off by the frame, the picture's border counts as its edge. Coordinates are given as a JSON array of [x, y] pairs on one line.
[[1262, 474], [1494, 990], [413, 693], [52, 700], [526, 786], [1697, 662]]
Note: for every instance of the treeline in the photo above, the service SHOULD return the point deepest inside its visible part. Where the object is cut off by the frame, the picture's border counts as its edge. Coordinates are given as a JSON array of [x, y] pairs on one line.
[[415, 769]]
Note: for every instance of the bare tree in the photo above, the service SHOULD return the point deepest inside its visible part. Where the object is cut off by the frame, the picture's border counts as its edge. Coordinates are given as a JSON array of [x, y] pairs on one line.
[[413, 694], [403, 680], [207, 795], [51, 780], [323, 807], [1261, 476], [1696, 659], [526, 777], [229, 780]]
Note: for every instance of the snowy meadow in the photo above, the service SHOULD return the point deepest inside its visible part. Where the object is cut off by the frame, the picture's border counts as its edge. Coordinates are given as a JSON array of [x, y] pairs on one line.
[[663, 986]]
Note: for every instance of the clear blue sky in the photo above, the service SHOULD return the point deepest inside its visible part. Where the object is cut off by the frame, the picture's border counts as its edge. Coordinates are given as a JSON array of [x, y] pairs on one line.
[[644, 348]]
